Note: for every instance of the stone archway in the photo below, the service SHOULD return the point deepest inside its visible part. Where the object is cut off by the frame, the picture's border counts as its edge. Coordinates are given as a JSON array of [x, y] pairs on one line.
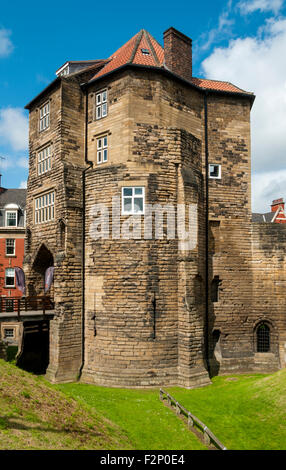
[[43, 260]]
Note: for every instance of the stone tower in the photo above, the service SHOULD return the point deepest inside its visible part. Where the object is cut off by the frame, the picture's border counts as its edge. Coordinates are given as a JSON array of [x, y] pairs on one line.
[[115, 145]]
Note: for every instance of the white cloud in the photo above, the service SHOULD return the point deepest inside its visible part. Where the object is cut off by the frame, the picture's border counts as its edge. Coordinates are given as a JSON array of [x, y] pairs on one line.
[[23, 185], [257, 64], [273, 6], [223, 29], [6, 46], [14, 128], [267, 187]]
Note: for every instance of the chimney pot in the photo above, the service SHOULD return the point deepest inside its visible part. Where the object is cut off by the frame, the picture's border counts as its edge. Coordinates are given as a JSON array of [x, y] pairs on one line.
[[277, 203]]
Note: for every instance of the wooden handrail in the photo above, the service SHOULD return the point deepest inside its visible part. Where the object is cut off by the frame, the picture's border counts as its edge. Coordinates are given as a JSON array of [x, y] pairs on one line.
[[192, 420], [20, 304]]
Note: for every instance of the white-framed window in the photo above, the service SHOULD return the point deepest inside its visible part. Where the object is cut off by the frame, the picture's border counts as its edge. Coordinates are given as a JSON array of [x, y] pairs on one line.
[[9, 277], [45, 160], [11, 218], [101, 104], [9, 332], [101, 146], [45, 116], [133, 200], [45, 208], [214, 171], [10, 246]]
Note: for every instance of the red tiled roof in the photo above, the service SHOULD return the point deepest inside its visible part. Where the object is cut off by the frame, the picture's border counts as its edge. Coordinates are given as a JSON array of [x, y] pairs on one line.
[[131, 53], [216, 85]]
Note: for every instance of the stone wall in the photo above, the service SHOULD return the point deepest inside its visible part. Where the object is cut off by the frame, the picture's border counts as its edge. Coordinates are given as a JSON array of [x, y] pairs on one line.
[[145, 320]]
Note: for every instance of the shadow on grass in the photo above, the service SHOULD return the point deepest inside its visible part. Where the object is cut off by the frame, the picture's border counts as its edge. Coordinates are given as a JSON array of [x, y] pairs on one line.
[[20, 424]]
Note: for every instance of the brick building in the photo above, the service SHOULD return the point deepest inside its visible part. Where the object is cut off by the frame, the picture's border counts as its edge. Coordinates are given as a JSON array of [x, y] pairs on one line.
[[12, 237], [112, 137], [276, 215]]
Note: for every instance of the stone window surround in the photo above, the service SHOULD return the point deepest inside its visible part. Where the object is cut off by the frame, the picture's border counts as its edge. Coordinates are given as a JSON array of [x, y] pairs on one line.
[[47, 145], [273, 335], [50, 204]]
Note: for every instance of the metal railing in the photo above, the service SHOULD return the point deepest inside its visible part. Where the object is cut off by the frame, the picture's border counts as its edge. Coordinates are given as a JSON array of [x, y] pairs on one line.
[[208, 436], [22, 305]]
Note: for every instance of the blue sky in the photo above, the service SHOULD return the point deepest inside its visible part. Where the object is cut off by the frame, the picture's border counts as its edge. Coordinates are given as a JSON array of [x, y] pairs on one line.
[[239, 41]]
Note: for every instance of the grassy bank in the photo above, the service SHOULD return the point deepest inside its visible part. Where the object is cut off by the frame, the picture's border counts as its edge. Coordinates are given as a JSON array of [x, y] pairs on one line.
[[34, 415], [246, 412], [148, 424]]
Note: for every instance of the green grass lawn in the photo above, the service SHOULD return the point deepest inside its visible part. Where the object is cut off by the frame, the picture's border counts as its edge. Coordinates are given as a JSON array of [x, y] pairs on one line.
[[34, 415], [246, 412], [148, 424]]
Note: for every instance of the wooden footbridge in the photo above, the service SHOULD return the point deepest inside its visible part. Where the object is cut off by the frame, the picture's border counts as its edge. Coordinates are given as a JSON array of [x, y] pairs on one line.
[[26, 308]]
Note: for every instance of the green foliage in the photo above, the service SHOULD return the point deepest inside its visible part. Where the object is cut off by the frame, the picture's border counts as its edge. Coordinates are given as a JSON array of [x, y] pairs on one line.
[[11, 353]]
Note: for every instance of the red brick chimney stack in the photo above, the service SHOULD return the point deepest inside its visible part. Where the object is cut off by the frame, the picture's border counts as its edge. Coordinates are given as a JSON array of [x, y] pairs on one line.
[[178, 53], [277, 203]]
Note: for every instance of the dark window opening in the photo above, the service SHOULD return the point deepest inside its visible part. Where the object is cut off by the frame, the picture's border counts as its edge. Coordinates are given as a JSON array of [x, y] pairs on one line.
[[215, 289], [62, 234], [145, 51], [263, 338]]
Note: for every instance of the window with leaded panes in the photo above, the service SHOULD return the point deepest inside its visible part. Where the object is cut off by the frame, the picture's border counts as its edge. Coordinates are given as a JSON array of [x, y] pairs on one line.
[[45, 208], [45, 160], [44, 116]]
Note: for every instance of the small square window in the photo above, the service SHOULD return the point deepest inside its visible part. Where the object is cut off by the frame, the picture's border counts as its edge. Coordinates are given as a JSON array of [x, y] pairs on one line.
[[215, 171], [133, 200], [9, 333]]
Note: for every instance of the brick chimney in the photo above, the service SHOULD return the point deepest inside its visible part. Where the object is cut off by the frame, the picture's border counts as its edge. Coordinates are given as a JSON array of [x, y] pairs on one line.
[[277, 203], [178, 53]]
